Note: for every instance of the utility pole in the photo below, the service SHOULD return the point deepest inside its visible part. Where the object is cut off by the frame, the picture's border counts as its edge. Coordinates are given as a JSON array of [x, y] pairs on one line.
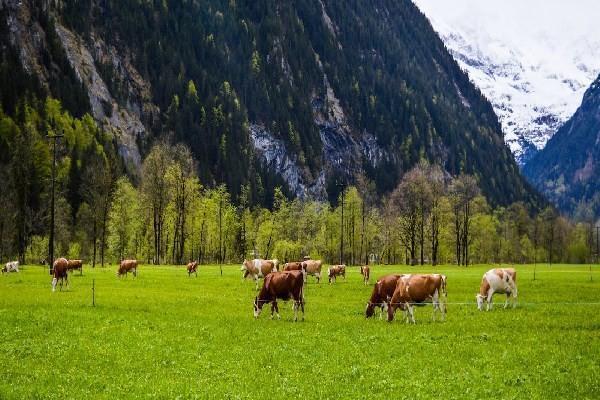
[[341, 185], [51, 241]]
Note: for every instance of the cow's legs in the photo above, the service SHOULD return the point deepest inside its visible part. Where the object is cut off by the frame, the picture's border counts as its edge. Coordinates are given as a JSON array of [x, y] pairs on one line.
[[435, 301], [490, 296], [506, 301], [411, 311], [54, 280], [295, 310], [318, 276], [274, 309]]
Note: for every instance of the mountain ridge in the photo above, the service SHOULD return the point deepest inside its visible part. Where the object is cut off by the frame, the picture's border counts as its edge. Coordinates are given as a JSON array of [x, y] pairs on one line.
[[568, 167], [323, 97]]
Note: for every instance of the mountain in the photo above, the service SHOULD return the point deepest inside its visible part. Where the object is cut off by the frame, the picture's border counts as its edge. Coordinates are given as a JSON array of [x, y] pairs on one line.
[[568, 169], [532, 59], [299, 94]]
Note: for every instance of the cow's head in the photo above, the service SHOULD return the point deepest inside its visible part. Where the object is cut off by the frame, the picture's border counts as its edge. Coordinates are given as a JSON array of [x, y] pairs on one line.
[[258, 305], [370, 310], [245, 265], [480, 301]]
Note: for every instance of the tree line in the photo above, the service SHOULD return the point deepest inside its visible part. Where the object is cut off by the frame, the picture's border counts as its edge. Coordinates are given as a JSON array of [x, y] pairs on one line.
[[166, 216]]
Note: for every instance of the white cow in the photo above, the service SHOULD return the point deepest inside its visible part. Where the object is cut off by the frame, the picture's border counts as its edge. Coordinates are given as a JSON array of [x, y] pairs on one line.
[[12, 266], [498, 280], [257, 269]]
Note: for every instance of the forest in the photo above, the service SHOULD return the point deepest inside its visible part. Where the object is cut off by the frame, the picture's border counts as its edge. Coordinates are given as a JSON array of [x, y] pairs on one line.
[[167, 215]]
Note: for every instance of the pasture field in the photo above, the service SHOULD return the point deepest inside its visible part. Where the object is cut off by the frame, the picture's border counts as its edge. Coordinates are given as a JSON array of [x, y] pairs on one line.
[[164, 335]]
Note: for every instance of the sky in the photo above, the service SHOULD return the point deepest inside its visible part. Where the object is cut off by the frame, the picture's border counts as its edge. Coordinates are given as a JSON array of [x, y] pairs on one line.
[[542, 29]]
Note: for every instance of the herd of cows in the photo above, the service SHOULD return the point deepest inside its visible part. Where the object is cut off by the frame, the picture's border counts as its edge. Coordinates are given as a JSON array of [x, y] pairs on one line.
[[390, 292]]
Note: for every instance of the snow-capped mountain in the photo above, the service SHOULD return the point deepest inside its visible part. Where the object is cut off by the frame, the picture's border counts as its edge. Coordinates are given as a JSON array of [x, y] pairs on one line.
[[533, 59]]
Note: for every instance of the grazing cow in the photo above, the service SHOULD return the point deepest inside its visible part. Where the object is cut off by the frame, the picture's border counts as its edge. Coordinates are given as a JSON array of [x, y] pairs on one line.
[[418, 289], [365, 271], [312, 267], [283, 285], [126, 267], [292, 266], [334, 271], [275, 263], [74, 265], [192, 268], [60, 270], [257, 269], [12, 266], [498, 280], [382, 294]]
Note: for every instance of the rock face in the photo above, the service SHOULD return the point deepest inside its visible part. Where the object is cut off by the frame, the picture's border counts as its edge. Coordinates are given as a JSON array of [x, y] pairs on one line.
[[568, 169], [533, 60], [124, 121]]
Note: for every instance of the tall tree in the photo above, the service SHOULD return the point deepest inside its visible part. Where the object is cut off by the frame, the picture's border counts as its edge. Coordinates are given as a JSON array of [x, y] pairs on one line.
[[156, 191]]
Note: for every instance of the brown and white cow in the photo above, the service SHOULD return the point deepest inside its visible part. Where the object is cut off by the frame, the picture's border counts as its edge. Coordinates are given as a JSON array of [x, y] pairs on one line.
[[257, 269], [382, 294], [192, 268], [126, 267], [365, 271], [11, 266], [292, 266], [283, 285], [334, 271], [75, 265], [275, 263], [418, 289], [60, 270], [312, 267], [497, 280]]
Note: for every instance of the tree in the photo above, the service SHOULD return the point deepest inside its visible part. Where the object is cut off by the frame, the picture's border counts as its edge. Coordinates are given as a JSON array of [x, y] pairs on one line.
[[180, 175], [122, 220], [156, 192], [96, 187], [463, 190], [413, 200]]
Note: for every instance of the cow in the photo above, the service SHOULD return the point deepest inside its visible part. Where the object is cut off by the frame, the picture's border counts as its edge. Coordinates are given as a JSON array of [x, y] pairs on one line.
[[312, 267], [498, 280], [75, 265], [127, 266], [60, 270], [11, 266], [292, 266], [365, 271], [283, 285], [257, 269], [192, 268], [275, 263], [382, 293], [334, 271], [418, 289]]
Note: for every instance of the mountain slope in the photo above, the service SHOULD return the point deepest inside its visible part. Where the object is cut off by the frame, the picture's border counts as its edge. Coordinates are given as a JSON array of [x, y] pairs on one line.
[[534, 74], [273, 92], [568, 169]]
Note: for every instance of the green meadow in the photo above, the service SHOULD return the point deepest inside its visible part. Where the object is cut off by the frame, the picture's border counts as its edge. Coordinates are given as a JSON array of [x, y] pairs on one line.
[[165, 335]]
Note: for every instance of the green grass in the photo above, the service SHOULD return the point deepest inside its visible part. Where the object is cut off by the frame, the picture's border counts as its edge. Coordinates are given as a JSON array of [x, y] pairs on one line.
[[164, 335]]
